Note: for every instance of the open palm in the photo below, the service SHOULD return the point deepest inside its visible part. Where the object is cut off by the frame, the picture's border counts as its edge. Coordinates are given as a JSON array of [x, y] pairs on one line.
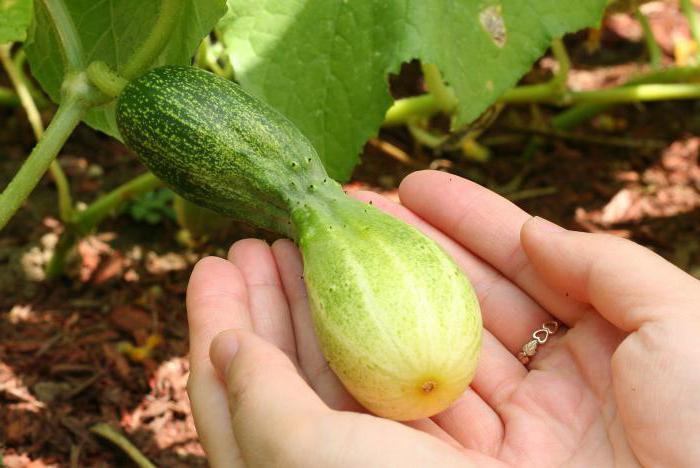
[[585, 400]]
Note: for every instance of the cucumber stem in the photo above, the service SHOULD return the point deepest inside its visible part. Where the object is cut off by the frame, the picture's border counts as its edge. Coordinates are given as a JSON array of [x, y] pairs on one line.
[[444, 95], [411, 108], [98, 210], [407, 109], [67, 117], [144, 57], [71, 46], [65, 204], [111, 83], [85, 221], [105, 79], [561, 76], [580, 113]]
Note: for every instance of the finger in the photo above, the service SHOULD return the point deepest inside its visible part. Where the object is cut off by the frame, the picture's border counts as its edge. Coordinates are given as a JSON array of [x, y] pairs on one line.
[[627, 283], [497, 376], [311, 360], [272, 409], [486, 224], [216, 301], [472, 423], [507, 312], [279, 420], [269, 311]]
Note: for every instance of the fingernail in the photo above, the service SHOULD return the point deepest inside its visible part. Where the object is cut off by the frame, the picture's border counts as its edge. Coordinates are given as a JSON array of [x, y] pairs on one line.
[[547, 226], [222, 350]]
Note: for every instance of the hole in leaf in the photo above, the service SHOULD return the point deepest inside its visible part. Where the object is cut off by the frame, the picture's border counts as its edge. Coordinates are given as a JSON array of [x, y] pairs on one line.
[[492, 21]]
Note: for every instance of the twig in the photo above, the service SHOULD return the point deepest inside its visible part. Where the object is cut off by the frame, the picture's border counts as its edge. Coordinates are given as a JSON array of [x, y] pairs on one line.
[[111, 434], [395, 153]]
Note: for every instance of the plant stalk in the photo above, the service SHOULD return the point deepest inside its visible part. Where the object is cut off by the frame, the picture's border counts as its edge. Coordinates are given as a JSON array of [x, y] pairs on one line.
[[105, 79], [111, 83], [580, 113], [652, 46], [156, 40], [71, 45], [560, 78], [98, 210], [67, 117], [636, 93], [426, 105], [39, 99], [441, 98], [85, 221], [65, 204], [407, 109], [444, 95]]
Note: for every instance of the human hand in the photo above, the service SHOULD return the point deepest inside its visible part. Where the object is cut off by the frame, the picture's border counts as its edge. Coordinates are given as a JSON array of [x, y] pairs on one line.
[[619, 387]]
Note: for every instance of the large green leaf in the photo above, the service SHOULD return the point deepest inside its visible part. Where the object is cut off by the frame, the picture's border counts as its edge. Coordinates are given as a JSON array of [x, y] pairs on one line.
[[15, 16], [110, 31], [324, 63]]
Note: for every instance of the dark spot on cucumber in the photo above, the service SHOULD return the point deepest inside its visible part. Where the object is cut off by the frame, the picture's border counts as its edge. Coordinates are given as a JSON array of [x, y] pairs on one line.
[[428, 386]]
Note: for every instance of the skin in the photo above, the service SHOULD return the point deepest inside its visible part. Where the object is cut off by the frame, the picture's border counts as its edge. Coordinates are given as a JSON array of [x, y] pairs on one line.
[[617, 386]]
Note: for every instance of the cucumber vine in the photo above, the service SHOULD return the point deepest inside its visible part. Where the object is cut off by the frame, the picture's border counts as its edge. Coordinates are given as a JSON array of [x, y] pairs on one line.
[[91, 82], [84, 86]]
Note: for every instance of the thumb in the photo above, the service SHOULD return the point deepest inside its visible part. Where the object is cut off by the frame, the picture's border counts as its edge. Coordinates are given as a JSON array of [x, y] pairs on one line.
[[272, 408], [625, 282]]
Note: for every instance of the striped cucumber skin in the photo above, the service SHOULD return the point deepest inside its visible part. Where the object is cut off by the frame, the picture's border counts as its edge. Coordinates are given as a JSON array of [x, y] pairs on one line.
[[397, 320], [218, 146]]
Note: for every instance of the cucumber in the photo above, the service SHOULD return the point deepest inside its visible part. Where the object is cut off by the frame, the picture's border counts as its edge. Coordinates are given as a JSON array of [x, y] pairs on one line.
[[396, 318]]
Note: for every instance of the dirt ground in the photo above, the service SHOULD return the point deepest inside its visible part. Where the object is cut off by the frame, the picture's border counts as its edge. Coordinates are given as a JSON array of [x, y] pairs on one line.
[[633, 171]]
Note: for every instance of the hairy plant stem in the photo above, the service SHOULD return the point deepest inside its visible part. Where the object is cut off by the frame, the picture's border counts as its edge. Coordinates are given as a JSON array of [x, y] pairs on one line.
[[104, 79], [407, 109], [67, 117], [558, 81], [106, 204], [86, 220], [156, 40], [580, 113], [426, 105], [445, 97], [442, 99], [111, 83], [71, 46], [65, 205], [652, 46], [37, 96]]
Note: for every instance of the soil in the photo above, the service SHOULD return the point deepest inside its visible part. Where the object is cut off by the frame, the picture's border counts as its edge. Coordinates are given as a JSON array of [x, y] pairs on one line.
[[633, 171]]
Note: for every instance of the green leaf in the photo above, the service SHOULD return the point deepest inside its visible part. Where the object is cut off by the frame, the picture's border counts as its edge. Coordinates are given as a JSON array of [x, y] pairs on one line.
[[324, 63], [15, 16], [109, 31]]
